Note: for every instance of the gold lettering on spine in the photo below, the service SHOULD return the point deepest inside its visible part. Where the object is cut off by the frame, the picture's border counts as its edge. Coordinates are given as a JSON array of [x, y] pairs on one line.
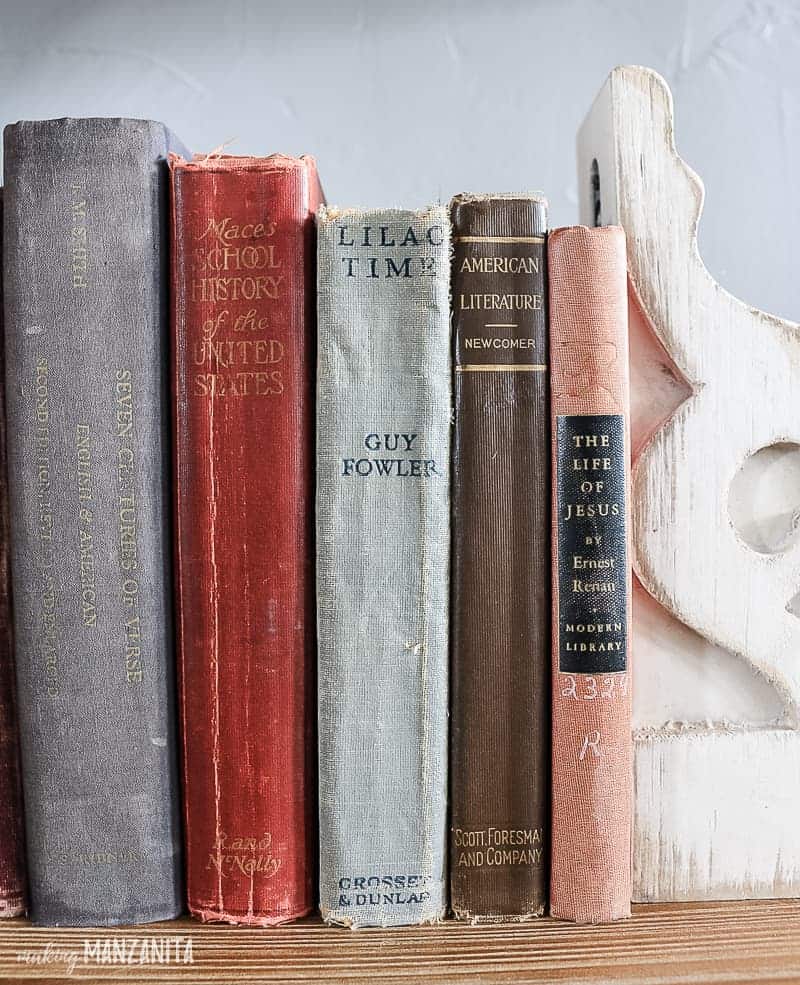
[[86, 559], [493, 846], [502, 368], [500, 265], [244, 856], [127, 523], [498, 304], [79, 239], [95, 857], [235, 264], [47, 644]]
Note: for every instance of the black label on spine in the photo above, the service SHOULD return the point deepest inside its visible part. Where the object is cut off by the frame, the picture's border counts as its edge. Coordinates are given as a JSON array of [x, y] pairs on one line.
[[592, 556]]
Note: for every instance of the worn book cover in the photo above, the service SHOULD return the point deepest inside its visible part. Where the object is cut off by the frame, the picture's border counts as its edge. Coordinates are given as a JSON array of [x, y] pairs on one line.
[[85, 280], [383, 504], [12, 849], [500, 681], [244, 315], [592, 747]]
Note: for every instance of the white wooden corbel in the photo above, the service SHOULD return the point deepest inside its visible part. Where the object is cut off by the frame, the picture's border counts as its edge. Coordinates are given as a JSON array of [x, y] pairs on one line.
[[716, 642]]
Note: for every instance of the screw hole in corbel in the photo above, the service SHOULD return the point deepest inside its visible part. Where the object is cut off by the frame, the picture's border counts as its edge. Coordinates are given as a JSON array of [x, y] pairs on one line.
[[594, 179]]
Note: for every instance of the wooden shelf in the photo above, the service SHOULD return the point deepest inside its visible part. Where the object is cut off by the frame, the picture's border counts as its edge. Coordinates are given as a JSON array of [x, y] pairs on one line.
[[754, 941]]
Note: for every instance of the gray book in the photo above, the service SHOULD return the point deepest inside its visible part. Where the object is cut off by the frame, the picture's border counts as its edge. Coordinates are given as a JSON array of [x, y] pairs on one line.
[[383, 537], [86, 276]]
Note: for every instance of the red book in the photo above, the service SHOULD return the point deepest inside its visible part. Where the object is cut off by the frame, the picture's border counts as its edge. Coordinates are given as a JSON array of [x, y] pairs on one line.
[[12, 869], [244, 342], [590, 875], [12, 866]]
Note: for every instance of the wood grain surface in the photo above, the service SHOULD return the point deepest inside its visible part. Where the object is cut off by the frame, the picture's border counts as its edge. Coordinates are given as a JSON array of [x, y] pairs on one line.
[[730, 942]]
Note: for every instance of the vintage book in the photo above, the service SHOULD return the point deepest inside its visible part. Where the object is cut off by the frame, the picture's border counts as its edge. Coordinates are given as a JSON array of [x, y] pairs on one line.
[[592, 756], [501, 601], [12, 847], [383, 538], [245, 347], [85, 272]]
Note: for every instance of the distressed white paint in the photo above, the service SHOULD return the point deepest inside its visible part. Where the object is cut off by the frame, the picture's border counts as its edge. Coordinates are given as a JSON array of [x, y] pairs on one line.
[[717, 815], [717, 643]]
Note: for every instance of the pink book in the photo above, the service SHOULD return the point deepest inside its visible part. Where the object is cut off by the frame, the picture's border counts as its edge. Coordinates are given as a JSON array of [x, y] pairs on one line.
[[592, 749]]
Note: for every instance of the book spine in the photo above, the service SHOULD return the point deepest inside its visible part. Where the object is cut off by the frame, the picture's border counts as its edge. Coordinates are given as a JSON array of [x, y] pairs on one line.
[[592, 748], [500, 690], [244, 340], [383, 504], [88, 448], [12, 865], [12, 847]]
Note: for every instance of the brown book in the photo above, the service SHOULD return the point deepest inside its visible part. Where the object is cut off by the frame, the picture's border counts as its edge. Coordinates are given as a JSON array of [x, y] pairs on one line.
[[592, 751], [501, 607]]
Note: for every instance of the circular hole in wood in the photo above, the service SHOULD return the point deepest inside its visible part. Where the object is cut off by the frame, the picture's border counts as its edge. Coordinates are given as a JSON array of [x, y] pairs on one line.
[[764, 498]]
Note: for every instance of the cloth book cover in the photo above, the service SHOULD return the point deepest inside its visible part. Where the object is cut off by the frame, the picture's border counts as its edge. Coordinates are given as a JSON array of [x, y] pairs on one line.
[[244, 314], [500, 681], [87, 332], [383, 539], [12, 847], [592, 746]]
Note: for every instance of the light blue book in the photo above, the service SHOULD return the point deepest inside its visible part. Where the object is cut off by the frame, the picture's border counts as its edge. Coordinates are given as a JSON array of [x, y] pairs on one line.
[[383, 541]]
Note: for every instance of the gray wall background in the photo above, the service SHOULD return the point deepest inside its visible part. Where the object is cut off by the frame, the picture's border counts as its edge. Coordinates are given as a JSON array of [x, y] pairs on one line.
[[406, 103]]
